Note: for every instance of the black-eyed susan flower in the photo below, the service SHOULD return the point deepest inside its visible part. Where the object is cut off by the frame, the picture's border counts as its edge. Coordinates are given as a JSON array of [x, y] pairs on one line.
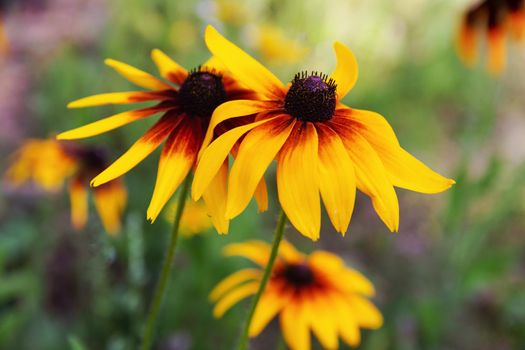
[[195, 218], [323, 148], [50, 163], [276, 47], [186, 101], [498, 20], [315, 293]]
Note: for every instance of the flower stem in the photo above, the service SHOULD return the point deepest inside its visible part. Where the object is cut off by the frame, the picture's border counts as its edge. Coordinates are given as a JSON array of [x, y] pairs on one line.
[[279, 231], [167, 264]]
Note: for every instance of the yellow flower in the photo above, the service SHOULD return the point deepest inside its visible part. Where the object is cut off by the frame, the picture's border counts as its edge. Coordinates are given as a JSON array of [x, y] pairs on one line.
[[195, 218], [49, 163], [316, 292], [323, 148], [276, 47], [186, 101], [497, 19]]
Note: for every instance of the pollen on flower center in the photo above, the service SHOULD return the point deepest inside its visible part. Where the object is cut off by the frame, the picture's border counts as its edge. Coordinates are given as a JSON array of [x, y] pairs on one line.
[[299, 275], [311, 97], [201, 93]]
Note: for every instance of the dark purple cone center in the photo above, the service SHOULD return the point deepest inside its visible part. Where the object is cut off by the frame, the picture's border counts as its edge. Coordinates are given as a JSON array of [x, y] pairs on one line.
[[299, 275], [201, 93]]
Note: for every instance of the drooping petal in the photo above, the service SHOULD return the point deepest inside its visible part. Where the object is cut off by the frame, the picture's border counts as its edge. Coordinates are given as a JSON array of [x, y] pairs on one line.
[[117, 98], [323, 322], [214, 156], [78, 197], [367, 315], [137, 76], [268, 307], [496, 47], [168, 68], [347, 323], [244, 67], [298, 180], [294, 325], [336, 178], [346, 70], [110, 123], [256, 152], [233, 297], [177, 157], [140, 149], [404, 170], [467, 43], [372, 178], [256, 251], [232, 109], [233, 281], [261, 196], [110, 200], [215, 197]]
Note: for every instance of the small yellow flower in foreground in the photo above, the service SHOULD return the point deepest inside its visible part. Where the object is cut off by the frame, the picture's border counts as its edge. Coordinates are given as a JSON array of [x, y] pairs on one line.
[[49, 163], [316, 292], [323, 148], [195, 218], [497, 20], [186, 101], [274, 46]]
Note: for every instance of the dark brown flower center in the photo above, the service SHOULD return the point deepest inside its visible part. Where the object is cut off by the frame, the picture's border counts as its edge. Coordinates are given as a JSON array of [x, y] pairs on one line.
[[299, 275], [201, 93], [311, 97]]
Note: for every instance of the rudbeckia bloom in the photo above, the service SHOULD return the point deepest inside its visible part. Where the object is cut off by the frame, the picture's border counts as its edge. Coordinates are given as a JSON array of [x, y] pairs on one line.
[[316, 292], [323, 148], [49, 163], [186, 101], [498, 19]]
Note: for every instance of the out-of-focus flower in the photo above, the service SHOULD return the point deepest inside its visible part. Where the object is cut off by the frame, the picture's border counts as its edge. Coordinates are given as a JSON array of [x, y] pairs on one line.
[[4, 42], [498, 20], [232, 11], [316, 292], [49, 163], [183, 34], [187, 100], [276, 47], [195, 218], [323, 148]]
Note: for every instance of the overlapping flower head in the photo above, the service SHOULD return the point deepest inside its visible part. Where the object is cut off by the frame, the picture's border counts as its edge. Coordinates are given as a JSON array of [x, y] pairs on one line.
[[316, 292], [186, 100], [49, 163], [498, 20], [323, 148]]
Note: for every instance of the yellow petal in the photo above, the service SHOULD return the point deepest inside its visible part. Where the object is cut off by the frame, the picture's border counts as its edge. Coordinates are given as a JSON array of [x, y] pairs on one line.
[[324, 320], [137, 76], [404, 170], [256, 251], [78, 197], [372, 178], [256, 152], [298, 180], [496, 47], [233, 297], [268, 307], [466, 43], [347, 323], [346, 70], [177, 157], [109, 123], [215, 198], [110, 200], [214, 156], [168, 68], [216, 64], [261, 196], [233, 281], [288, 253], [116, 98], [336, 178], [140, 149], [244, 67], [228, 110], [294, 325], [366, 313]]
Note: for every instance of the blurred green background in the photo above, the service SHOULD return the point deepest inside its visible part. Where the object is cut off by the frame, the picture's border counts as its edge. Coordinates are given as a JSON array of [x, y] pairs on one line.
[[452, 278]]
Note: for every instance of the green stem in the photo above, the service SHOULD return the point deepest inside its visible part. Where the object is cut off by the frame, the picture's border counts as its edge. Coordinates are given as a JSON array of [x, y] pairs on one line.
[[279, 231], [167, 264]]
